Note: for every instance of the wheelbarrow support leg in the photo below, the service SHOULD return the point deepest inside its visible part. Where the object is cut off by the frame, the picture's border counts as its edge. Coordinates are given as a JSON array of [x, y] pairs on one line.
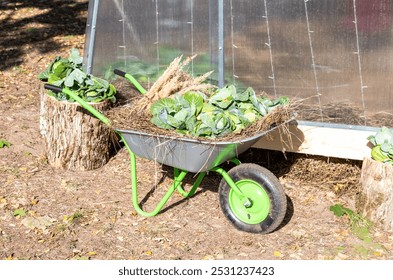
[[134, 190], [179, 176]]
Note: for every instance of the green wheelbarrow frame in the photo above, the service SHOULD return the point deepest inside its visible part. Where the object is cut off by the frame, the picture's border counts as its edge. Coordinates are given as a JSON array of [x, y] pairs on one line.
[[179, 174], [251, 197]]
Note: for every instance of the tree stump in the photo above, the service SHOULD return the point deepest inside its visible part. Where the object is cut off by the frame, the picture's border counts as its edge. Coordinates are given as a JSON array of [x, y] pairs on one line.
[[375, 200], [74, 139]]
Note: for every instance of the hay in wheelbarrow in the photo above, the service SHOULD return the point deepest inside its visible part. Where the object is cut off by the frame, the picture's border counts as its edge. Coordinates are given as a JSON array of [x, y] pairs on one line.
[[194, 154], [126, 117], [175, 79], [133, 112]]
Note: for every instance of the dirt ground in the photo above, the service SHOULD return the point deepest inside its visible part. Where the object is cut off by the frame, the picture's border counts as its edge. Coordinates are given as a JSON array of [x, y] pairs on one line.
[[47, 213]]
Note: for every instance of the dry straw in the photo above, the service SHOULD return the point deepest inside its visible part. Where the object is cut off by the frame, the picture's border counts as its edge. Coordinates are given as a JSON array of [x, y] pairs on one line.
[[174, 80], [135, 113]]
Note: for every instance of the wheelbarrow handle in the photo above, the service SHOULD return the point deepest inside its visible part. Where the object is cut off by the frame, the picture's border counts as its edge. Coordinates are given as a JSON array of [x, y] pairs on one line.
[[131, 79], [120, 73], [53, 88], [81, 102]]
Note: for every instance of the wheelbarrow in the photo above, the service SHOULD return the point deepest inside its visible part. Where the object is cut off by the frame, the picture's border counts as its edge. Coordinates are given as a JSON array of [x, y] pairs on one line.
[[250, 196]]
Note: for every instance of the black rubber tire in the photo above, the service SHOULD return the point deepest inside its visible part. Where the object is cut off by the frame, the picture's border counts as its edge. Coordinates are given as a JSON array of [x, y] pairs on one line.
[[269, 182]]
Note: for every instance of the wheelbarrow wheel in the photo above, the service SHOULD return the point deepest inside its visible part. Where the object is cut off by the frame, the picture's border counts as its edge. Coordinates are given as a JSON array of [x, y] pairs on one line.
[[267, 204]]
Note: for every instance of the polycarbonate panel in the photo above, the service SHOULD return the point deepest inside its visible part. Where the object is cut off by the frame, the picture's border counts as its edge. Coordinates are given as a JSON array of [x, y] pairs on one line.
[[152, 33], [322, 52], [333, 56]]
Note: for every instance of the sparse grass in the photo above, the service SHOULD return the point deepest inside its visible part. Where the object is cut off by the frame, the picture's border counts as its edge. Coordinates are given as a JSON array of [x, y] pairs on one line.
[[361, 228]]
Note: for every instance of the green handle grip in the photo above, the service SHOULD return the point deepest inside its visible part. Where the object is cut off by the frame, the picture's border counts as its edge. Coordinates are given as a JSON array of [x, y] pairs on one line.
[[81, 102], [119, 72], [53, 88]]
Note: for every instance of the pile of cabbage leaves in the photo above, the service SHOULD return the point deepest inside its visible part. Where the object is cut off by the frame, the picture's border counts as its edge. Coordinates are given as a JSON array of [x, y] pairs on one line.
[[383, 145], [225, 111]]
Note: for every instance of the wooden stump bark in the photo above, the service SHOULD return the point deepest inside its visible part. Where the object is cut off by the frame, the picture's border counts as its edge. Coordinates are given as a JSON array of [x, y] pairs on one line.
[[375, 200], [74, 139]]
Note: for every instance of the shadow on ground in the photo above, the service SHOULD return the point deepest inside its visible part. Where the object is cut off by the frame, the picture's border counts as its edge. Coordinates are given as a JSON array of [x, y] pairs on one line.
[[48, 19]]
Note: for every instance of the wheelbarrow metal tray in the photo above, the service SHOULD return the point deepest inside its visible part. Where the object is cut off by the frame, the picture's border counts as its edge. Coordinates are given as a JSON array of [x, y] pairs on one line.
[[185, 153]]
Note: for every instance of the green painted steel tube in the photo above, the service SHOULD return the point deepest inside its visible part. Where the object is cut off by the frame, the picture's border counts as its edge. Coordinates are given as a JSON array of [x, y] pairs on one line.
[[229, 180], [86, 105], [247, 202], [194, 186], [135, 83], [134, 188], [198, 181], [131, 79], [235, 161], [175, 172]]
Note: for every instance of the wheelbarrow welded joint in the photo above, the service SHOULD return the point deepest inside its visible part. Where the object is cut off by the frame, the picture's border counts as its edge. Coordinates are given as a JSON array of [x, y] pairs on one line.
[[235, 161], [194, 186]]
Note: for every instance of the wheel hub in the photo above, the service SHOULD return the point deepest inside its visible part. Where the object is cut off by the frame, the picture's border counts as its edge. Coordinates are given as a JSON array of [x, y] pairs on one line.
[[254, 207]]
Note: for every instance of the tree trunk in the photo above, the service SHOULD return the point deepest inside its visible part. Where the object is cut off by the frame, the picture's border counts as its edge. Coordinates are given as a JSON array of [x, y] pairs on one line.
[[74, 139], [375, 200]]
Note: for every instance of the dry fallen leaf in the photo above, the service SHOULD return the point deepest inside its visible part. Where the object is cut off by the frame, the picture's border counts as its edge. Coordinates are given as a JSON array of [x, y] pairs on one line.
[[277, 254], [3, 202], [41, 223]]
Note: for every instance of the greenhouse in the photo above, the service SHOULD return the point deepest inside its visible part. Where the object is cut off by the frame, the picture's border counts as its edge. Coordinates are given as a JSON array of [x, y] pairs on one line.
[[334, 57], [196, 130]]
